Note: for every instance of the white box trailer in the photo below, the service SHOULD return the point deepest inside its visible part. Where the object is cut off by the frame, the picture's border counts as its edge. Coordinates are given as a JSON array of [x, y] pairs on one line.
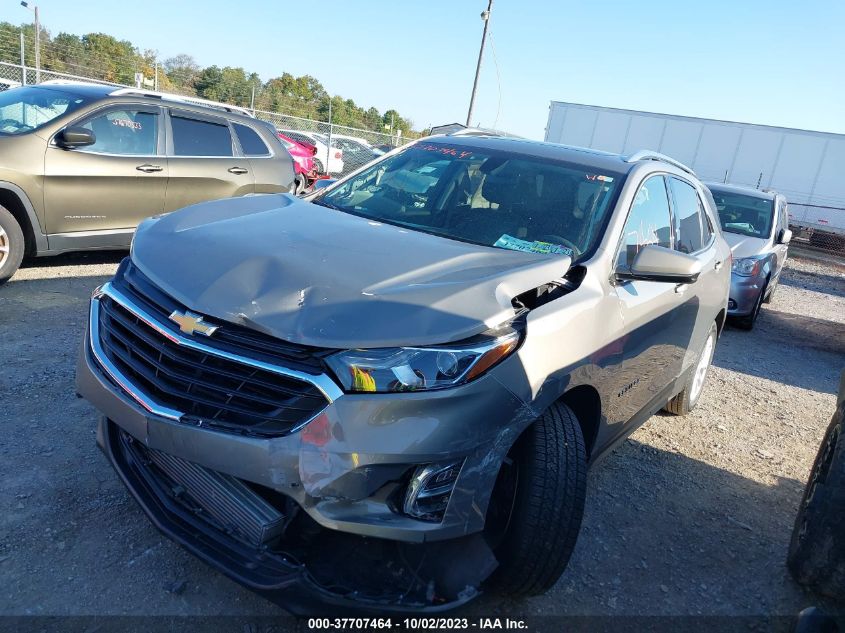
[[807, 167]]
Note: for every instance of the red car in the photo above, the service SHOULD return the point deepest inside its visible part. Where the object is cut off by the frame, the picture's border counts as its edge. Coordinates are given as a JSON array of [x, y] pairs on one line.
[[303, 163]]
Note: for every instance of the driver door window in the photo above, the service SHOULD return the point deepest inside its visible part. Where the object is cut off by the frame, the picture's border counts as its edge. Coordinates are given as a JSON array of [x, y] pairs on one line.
[[124, 132], [648, 221]]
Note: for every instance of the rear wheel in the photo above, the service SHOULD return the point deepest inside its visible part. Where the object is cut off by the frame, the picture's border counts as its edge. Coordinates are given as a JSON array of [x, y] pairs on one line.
[[11, 245], [535, 513], [686, 400], [817, 550], [318, 165]]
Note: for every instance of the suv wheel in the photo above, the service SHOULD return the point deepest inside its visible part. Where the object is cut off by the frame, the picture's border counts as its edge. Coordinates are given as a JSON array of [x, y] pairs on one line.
[[685, 401], [747, 322], [817, 549], [535, 513], [11, 245]]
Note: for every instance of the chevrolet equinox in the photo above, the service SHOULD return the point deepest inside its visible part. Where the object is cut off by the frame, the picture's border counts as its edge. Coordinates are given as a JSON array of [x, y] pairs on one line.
[[386, 396]]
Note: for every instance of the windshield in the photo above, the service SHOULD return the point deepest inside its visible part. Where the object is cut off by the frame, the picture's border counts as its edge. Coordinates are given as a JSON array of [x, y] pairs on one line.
[[26, 109], [492, 198], [744, 214]]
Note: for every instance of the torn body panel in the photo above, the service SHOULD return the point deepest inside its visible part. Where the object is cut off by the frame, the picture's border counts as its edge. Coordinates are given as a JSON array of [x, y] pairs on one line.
[[343, 466]]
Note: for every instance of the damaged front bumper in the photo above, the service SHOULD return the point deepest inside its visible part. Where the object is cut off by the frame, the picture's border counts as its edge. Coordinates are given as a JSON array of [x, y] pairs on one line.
[[744, 293], [342, 481]]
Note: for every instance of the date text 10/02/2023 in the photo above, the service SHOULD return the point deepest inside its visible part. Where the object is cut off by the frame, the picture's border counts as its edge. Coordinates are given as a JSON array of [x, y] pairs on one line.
[[417, 624]]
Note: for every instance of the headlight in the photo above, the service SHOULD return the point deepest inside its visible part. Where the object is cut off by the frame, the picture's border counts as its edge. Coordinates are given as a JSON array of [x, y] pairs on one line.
[[746, 266], [394, 369]]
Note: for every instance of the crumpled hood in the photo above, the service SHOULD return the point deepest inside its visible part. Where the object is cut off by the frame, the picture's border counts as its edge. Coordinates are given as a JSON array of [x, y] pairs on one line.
[[312, 275], [745, 246]]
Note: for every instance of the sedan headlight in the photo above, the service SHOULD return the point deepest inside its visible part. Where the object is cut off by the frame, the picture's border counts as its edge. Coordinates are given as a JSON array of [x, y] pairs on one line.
[[394, 369], [746, 266]]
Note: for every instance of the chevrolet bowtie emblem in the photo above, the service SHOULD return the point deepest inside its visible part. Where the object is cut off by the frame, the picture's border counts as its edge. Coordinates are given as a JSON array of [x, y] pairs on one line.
[[191, 323]]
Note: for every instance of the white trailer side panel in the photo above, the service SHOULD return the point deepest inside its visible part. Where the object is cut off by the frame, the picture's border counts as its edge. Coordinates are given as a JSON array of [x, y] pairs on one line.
[[805, 166]]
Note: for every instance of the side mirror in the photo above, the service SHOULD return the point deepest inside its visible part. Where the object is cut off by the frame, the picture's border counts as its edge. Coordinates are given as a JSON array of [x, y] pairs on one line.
[[785, 236], [323, 183], [75, 136], [656, 263]]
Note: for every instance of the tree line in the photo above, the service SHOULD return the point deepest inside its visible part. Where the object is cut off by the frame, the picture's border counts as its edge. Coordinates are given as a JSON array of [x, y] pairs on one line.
[[101, 56]]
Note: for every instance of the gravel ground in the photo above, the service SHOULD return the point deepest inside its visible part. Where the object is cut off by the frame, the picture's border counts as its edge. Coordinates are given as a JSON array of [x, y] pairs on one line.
[[689, 516]]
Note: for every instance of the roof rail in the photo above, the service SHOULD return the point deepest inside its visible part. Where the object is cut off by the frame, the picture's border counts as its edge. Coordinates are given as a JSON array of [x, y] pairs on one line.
[[73, 82], [647, 154], [182, 99], [480, 131]]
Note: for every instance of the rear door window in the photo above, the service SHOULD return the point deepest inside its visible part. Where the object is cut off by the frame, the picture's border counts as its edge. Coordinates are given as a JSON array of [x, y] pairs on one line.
[[195, 137], [692, 230], [649, 221], [126, 132], [251, 142]]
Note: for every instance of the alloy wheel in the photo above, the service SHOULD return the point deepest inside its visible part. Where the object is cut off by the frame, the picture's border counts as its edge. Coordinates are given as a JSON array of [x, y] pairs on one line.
[[701, 368], [4, 246]]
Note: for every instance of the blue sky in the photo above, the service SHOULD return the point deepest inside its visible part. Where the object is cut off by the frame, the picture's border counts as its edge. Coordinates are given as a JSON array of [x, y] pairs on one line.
[[775, 62]]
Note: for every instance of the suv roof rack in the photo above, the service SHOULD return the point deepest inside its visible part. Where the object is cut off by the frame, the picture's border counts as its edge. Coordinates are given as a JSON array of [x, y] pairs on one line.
[[168, 96], [74, 82], [647, 154]]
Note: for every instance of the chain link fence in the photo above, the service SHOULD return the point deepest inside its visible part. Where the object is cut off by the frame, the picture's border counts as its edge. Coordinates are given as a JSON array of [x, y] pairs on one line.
[[339, 149], [818, 226]]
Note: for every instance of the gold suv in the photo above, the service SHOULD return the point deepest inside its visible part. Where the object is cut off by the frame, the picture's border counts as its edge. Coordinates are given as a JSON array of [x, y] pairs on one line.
[[82, 164]]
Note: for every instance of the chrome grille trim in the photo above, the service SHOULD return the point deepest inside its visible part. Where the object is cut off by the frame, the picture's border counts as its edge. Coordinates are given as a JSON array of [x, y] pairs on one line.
[[323, 383]]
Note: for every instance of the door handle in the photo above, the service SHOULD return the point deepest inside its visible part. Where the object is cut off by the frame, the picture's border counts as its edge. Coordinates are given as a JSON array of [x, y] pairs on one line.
[[681, 288], [238, 170], [148, 169], [718, 265]]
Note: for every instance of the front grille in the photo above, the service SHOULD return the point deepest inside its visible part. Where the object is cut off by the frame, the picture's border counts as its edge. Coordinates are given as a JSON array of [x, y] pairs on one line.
[[229, 337], [209, 389]]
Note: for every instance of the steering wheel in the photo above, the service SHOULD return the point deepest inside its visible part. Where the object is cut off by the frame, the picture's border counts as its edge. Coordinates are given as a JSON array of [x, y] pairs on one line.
[[557, 239]]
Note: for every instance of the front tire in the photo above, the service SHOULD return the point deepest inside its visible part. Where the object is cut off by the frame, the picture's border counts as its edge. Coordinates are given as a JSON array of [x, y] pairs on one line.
[[817, 549], [11, 245], [540, 495], [747, 322], [686, 400]]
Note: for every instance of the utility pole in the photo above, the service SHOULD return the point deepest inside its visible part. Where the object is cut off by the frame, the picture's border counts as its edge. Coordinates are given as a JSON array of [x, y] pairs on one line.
[[23, 62], [34, 9], [38, 46], [485, 15]]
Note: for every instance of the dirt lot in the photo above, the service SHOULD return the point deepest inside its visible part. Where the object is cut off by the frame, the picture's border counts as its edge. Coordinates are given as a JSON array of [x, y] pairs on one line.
[[689, 516]]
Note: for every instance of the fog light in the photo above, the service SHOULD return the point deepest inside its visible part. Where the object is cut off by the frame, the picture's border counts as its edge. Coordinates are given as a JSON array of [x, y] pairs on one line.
[[731, 304], [430, 490]]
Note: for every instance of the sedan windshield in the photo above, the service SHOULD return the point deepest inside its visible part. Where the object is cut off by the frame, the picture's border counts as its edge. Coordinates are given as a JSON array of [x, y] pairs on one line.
[[492, 198], [744, 214], [28, 108]]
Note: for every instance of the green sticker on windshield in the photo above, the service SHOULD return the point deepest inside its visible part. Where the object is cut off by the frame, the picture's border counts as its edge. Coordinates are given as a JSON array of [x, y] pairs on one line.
[[544, 248]]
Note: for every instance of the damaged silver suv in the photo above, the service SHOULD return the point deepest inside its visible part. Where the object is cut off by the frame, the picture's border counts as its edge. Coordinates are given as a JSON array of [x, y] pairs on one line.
[[386, 397]]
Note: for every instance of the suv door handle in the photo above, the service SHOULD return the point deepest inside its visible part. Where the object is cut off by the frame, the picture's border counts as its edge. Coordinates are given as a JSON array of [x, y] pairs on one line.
[[238, 170], [718, 265], [148, 169]]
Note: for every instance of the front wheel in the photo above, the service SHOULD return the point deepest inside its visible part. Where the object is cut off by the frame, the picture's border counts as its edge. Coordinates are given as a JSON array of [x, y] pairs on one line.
[[747, 322], [538, 501], [685, 401], [817, 550], [11, 245]]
